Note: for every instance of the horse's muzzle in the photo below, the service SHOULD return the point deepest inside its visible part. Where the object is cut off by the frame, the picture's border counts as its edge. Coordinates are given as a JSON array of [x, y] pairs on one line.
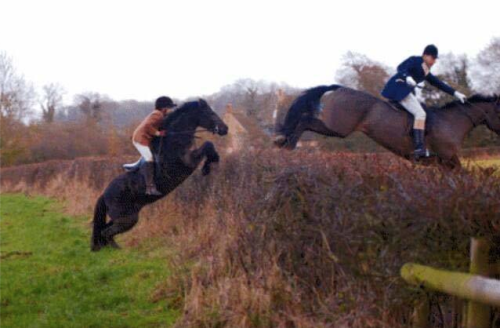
[[220, 130]]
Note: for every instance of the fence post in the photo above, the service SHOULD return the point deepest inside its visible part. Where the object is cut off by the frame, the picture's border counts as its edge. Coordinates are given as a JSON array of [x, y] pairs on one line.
[[478, 315], [280, 98], [420, 317]]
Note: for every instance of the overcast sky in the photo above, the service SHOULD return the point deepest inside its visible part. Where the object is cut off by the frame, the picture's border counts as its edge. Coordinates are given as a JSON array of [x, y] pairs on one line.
[[143, 49]]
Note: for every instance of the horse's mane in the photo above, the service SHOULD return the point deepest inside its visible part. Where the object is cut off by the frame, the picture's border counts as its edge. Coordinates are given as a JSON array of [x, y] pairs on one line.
[[476, 98], [178, 112], [167, 123]]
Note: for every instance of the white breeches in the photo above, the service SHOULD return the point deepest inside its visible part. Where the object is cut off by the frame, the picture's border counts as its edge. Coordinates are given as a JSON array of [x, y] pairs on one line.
[[144, 151], [412, 105]]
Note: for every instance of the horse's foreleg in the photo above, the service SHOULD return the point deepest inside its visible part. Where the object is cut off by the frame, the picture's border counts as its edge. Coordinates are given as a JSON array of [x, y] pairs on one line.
[[318, 126], [206, 150]]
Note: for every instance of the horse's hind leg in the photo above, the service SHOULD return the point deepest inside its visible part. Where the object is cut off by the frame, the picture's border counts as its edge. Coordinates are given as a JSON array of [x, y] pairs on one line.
[[119, 225], [313, 125], [318, 126]]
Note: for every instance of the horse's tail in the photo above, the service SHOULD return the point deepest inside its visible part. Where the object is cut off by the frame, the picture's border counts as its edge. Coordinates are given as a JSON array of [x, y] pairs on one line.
[[98, 224], [305, 104]]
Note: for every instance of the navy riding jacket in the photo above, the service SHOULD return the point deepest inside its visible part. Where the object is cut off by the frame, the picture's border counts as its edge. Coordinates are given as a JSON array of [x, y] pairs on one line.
[[397, 89]]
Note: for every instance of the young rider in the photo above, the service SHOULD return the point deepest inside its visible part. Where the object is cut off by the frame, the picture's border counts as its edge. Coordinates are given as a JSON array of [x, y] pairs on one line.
[[143, 135]]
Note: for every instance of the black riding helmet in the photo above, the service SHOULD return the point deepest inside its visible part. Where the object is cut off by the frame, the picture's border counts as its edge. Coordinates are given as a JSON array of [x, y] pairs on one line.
[[431, 50], [164, 102]]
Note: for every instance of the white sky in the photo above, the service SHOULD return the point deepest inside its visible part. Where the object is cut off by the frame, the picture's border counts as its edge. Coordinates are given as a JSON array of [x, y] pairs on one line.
[[143, 49]]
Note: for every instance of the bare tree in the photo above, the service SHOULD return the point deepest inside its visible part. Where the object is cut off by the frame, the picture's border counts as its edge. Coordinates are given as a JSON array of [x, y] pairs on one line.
[[52, 100], [16, 95], [256, 98], [90, 105], [485, 71], [250, 90], [362, 73]]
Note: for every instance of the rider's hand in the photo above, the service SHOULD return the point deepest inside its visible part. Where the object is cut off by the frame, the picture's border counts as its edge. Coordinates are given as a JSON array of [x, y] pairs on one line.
[[410, 81], [460, 96], [161, 133]]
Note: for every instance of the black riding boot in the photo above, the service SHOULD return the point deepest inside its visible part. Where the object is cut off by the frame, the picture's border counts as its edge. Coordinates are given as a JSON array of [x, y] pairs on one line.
[[148, 171], [418, 143]]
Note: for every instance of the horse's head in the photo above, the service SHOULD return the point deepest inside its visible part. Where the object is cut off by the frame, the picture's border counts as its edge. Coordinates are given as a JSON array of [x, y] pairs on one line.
[[209, 120], [192, 115], [489, 109]]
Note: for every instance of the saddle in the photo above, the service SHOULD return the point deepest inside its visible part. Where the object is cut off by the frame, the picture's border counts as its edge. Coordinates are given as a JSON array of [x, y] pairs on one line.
[[429, 122]]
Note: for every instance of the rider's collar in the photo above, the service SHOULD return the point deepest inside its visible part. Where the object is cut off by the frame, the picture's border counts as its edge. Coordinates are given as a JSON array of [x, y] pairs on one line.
[[426, 68]]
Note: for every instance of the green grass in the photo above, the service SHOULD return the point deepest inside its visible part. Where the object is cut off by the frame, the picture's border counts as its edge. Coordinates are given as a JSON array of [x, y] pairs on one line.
[[49, 277]]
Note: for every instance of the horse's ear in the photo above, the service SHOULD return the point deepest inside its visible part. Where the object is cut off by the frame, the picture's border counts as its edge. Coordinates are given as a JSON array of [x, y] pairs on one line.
[[202, 103]]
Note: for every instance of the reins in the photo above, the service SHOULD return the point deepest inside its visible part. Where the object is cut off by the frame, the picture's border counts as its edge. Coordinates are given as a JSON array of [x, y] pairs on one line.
[[180, 132], [189, 131], [464, 110]]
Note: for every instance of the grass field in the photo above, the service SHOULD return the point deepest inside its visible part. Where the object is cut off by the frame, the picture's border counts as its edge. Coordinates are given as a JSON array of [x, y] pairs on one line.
[[49, 277]]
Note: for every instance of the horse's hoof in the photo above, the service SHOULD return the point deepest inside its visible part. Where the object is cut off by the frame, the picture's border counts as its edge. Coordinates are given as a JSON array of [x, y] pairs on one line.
[[113, 244], [205, 170], [289, 146], [280, 141]]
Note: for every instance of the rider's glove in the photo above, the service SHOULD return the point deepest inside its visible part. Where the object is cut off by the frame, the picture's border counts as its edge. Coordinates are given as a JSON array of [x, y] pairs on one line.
[[410, 81], [460, 96]]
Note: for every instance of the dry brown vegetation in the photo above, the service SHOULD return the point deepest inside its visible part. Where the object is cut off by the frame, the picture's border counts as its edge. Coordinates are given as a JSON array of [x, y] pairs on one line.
[[277, 238]]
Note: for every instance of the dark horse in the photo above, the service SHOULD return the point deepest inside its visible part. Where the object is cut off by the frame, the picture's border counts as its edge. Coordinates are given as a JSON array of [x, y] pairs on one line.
[[125, 195], [346, 110]]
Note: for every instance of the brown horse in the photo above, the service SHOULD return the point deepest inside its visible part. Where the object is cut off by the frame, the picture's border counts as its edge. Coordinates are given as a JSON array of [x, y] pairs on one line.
[[346, 110]]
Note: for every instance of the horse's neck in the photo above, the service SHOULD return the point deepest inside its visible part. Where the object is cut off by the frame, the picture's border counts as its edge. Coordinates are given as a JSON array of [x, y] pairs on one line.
[[464, 122], [182, 138]]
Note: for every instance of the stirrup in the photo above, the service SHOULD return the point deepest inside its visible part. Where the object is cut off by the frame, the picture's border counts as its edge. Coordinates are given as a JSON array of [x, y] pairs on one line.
[[133, 166], [153, 191], [421, 153]]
